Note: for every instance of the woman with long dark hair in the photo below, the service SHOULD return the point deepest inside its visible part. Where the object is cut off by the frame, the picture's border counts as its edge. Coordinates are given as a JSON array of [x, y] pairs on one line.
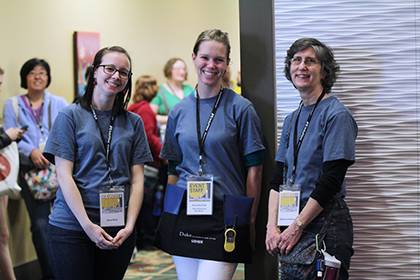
[[99, 150]]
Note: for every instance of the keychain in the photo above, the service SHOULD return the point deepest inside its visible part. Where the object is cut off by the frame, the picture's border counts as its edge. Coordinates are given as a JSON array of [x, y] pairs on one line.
[[230, 237], [319, 264]]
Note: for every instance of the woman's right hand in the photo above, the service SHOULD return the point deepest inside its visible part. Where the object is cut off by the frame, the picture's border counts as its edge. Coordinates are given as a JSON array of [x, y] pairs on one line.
[[98, 236], [272, 239], [14, 133], [38, 159]]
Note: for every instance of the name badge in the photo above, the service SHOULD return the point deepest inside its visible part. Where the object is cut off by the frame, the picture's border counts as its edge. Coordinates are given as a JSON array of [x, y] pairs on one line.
[[200, 195], [289, 203], [111, 202]]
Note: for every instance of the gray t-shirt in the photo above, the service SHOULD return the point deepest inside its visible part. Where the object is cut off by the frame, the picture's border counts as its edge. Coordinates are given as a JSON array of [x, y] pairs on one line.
[[234, 133], [75, 136], [330, 136]]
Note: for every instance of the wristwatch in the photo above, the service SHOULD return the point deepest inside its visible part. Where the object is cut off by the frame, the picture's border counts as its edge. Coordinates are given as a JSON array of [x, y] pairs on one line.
[[299, 223]]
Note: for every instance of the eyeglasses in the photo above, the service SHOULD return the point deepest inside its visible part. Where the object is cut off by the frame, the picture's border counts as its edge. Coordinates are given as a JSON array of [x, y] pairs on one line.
[[110, 69], [37, 74], [308, 61]]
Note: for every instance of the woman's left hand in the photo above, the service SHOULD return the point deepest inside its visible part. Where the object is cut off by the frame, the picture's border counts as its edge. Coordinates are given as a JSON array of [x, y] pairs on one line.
[[121, 236], [289, 237]]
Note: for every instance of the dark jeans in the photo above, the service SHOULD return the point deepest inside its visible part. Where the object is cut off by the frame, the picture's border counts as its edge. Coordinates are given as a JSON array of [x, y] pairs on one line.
[[149, 214], [338, 242], [38, 213], [75, 256]]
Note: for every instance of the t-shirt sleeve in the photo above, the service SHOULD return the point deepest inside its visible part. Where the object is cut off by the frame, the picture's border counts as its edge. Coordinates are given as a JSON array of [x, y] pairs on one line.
[[284, 140], [141, 148], [340, 137], [171, 149], [61, 140], [250, 131], [157, 100]]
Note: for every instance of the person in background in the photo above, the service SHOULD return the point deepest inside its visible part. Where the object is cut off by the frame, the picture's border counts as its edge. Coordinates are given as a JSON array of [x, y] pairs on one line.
[[173, 91], [145, 90], [317, 145], [214, 146], [99, 150], [227, 79], [36, 109], [229, 83], [6, 266]]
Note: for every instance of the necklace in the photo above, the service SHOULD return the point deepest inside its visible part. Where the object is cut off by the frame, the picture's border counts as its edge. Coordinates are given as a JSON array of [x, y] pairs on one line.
[[179, 93]]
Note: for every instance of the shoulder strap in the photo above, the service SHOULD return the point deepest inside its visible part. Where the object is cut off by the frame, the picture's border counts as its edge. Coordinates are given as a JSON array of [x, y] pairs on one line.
[[49, 115], [15, 106]]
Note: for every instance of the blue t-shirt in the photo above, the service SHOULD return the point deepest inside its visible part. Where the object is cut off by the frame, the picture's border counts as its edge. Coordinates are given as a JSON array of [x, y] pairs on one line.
[[330, 136], [234, 133], [75, 136]]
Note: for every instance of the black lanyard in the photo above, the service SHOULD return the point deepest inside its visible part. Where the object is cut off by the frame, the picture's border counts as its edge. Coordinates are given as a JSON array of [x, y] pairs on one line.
[[298, 144], [202, 138], [106, 144]]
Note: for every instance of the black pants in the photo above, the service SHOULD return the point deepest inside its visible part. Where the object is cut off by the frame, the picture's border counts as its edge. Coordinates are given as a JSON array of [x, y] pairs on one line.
[[38, 211], [75, 256]]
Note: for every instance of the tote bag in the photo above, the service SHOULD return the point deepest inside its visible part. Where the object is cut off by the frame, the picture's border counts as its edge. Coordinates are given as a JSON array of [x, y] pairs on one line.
[[9, 168]]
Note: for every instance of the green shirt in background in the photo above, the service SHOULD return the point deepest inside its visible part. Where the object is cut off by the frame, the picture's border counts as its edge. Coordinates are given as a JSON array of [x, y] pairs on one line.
[[165, 100]]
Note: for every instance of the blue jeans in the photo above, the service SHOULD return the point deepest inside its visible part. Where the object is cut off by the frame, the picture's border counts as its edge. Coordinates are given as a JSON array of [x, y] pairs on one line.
[[38, 211], [75, 256], [338, 242]]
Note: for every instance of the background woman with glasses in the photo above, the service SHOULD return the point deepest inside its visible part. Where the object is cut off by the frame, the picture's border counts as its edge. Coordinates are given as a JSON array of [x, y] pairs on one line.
[[36, 110], [99, 150], [173, 91], [317, 145]]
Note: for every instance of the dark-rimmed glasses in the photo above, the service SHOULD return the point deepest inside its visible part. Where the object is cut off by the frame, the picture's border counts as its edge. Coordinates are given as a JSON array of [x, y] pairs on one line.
[[308, 61], [110, 69]]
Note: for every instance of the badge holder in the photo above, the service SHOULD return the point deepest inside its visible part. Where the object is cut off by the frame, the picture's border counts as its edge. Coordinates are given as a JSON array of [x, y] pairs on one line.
[[289, 203], [200, 195], [111, 203], [42, 141]]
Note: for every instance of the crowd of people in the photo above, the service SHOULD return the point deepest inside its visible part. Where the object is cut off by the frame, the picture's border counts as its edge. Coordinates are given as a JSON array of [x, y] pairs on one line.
[[179, 168]]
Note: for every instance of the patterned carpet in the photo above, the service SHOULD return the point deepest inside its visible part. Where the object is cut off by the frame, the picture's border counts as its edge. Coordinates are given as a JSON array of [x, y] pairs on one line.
[[157, 265]]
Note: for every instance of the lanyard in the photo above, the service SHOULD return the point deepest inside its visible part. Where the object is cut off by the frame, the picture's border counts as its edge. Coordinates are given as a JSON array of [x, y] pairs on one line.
[[298, 144], [35, 113], [106, 144], [202, 138]]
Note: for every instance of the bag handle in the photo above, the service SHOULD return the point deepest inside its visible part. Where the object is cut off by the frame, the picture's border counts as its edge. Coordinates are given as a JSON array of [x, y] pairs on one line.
[[49, 115], [15, 106]]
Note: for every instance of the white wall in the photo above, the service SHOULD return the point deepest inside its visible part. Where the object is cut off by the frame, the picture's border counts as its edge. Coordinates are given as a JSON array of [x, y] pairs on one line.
[[151, 30]]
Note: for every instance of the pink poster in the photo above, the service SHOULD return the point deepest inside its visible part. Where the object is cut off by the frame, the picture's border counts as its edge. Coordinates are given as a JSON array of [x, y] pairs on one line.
[[86, 44]]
